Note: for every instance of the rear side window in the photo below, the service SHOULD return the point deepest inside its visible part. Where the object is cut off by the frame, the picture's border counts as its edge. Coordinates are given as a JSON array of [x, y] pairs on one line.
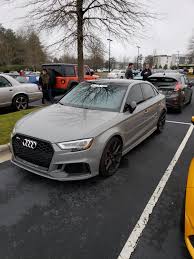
[[135, 94], [162, 81], [69, 70], [4, 82], [61, 70], [148, 91]]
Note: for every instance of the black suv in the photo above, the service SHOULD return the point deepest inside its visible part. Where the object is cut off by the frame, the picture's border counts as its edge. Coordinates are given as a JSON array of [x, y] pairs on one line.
[[175, 86]]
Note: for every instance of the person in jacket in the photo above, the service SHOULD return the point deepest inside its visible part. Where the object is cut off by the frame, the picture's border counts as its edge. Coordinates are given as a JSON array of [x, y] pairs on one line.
[[51, 85], [146, 72], [129, 71], [44, 83]]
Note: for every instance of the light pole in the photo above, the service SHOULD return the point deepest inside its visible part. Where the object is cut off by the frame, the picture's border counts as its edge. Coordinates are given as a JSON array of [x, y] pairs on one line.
[[138, 47], [109, 40]]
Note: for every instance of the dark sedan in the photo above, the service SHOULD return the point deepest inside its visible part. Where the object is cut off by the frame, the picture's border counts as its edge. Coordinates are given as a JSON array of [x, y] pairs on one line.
[[175, 86]]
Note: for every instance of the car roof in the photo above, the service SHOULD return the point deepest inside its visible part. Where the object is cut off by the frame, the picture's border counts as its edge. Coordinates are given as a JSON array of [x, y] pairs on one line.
[[174, 75], [10, 79]]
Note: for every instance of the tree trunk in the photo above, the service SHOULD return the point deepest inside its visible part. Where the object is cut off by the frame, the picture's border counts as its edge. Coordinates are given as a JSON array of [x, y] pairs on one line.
[[80, 40]]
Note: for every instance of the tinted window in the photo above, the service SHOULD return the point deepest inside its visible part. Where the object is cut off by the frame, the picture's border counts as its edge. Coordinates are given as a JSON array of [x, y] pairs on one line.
[[96, 96], [4, 82], [69, 71], [148, 91], [58, 69], [135, 94], [162, 81], [61, 70]]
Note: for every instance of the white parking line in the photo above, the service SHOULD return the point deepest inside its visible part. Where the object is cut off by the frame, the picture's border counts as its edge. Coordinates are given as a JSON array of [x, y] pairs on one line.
[[179, 122], [133, 239]]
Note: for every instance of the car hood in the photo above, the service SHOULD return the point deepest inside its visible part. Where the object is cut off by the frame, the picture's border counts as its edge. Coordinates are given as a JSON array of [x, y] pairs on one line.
[[59, 123]]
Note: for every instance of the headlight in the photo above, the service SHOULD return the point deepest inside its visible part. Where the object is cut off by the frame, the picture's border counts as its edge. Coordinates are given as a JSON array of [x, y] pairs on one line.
[[77, 145], [13, 132]]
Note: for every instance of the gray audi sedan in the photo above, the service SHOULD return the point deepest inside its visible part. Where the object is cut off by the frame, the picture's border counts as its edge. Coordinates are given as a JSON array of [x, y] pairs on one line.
[[89, 130]]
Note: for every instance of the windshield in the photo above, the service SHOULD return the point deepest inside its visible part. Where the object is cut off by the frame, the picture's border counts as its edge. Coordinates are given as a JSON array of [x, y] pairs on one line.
[[96, 96], [162, 81]]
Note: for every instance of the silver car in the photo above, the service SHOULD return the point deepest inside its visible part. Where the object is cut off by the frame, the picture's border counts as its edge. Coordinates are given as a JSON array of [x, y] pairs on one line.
[[12, 93], [89, 130]]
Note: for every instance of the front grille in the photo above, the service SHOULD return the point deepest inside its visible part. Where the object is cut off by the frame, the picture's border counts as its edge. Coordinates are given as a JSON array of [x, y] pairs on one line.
[[41, 155]]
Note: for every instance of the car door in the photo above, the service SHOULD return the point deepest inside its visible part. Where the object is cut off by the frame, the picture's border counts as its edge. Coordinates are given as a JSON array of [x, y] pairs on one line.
[[151, 106], [133, 126], [6, 92]]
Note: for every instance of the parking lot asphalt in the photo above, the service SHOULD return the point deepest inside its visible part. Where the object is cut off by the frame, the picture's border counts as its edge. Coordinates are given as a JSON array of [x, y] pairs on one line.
[[93, 219]]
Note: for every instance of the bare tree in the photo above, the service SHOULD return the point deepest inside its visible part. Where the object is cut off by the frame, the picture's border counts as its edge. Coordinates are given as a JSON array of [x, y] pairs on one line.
[[83, 19], [149, 60], [95, 49], [191, 49]]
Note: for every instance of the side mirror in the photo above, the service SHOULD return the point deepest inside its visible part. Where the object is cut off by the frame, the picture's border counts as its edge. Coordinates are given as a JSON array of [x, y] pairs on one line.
[[130, 107], [191, 84]]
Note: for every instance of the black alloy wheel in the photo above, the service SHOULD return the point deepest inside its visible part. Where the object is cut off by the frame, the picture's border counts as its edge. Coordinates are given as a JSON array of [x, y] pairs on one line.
[[161, 122], [111, 157]]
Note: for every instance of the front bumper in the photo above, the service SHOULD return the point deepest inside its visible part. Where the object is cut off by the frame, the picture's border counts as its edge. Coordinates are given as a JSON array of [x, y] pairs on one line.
[[61, 160], [174, 103]]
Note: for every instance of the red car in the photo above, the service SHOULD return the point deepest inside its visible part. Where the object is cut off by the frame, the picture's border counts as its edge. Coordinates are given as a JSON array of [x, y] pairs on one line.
[[67, 75]]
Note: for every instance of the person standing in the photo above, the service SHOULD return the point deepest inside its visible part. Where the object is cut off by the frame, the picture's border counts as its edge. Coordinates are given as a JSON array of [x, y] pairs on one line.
[[44, 83], [129, 71], [146, 72], [51, 85]]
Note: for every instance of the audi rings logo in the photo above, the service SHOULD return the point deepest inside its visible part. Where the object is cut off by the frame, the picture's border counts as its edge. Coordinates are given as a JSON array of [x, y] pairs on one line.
[[29, 143]]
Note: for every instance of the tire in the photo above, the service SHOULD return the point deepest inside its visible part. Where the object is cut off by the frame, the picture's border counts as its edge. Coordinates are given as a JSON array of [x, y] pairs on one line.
[[182, 215], [20, 102], [180, 109], [161, 123], [111, 157]]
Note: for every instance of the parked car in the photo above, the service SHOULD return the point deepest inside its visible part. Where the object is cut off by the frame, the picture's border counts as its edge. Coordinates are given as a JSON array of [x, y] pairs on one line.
[[67, 75], [12, 93], [89, 129], [175, 86], [116, 74], [138, 77]]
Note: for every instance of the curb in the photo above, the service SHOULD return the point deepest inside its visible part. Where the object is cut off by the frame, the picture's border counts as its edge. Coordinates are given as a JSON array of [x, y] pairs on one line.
[[4, 148]]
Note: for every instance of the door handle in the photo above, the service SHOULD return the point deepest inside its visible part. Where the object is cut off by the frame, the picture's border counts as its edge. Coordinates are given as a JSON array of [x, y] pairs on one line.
[[10, 90]]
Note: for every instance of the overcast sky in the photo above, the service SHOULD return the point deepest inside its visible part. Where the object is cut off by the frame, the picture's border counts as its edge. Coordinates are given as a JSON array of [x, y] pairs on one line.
[[167, 35]]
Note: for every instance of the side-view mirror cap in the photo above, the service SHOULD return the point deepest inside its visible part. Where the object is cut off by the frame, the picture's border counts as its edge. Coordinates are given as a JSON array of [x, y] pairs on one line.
[[191, 83]]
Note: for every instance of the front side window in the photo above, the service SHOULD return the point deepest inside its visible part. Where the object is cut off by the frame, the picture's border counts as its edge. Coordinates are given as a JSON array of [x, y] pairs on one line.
[[96, 96], [4, 82], [135, 94], [148, 91]]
